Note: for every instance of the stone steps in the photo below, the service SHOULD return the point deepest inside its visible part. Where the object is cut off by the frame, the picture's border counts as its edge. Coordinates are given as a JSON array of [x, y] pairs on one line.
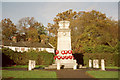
[[80, 66], [63, 64], [53, 66], [69, 65]]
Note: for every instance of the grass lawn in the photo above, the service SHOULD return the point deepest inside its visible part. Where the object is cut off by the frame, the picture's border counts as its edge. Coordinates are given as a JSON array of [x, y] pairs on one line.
[[23, 66], [104, 74], [28, 74], [114, 67]]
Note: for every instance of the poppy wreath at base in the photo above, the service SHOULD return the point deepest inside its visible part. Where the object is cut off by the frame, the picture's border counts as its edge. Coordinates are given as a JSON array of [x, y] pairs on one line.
[[57, 52], [64, 57], [64, 52]]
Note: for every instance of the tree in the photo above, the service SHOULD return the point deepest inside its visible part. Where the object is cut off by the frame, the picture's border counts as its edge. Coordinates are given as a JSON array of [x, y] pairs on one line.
[[40, 28], [32, 34], [88, 29], [8, 29], [53, 41], [67, 15], [43, 38], [27, 24]]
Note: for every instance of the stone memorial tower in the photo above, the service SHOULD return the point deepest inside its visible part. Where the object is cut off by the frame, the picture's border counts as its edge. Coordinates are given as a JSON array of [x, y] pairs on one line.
[[64, 46], [64, 36]]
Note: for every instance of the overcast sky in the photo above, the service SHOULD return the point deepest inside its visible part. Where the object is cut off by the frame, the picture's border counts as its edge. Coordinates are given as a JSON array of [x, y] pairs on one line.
[[44, 12]]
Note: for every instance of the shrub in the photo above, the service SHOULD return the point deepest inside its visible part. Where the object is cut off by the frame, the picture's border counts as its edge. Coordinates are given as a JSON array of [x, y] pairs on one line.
[[88, 49], [110, 58], [104, 49], [19, 58], [46, 58]]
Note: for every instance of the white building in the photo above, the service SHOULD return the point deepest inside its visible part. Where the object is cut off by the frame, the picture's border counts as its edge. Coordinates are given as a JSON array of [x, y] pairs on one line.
[[25, 46]]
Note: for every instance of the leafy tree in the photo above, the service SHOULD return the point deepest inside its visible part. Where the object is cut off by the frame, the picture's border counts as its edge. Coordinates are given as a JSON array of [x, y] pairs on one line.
[[43, 38], [32, 34], [88, 29], [8, 29], [53, 40], [27, 24], [67, 15], [40, 28]]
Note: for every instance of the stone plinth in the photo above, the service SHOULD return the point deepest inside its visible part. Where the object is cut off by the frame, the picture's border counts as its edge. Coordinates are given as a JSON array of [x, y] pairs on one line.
[[31, 64], [95, 63], [102, 64], [90, 63]]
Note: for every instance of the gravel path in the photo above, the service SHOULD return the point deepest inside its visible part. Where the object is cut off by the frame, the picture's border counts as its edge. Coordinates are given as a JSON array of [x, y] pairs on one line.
[[71, 74]]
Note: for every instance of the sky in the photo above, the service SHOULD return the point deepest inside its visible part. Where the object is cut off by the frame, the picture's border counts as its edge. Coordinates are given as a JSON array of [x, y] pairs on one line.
[[45, 11]]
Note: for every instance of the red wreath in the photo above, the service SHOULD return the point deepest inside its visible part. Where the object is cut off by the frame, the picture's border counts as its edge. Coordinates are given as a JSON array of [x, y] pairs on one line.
[[63, 57], [59, 57], [55, 57], [63, 52], [70, 57], [69, 51], [73, 57], [67, 57], [57, 52]]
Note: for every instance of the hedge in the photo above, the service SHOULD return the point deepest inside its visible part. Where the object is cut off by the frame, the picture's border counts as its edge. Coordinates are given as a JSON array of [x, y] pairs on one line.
[[44, 58], [18, 58], [110, 58]]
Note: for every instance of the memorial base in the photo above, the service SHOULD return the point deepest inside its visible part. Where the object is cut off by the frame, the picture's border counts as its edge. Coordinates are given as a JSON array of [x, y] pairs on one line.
[[67, 63], [63, 63]]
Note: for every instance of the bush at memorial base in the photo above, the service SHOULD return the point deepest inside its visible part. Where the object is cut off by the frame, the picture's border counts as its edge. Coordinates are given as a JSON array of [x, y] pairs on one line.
[[45, 58], [110, 58], [10, 57]]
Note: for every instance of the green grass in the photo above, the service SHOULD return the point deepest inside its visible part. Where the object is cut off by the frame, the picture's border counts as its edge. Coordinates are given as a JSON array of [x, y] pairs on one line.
[[22, 66], [114, 67], [103, 74], [28, 74], [17, 66]]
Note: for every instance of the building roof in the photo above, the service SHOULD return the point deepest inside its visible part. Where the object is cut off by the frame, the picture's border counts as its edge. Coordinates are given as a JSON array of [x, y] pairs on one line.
[[26, 44]]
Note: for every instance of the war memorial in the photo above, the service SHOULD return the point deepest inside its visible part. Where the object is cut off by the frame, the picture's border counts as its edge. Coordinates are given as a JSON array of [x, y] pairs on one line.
[[64, 58], [64, 52]]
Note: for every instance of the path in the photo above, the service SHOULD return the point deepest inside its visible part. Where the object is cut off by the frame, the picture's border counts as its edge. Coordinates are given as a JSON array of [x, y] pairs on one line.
[[70, 73], [79, 74]]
